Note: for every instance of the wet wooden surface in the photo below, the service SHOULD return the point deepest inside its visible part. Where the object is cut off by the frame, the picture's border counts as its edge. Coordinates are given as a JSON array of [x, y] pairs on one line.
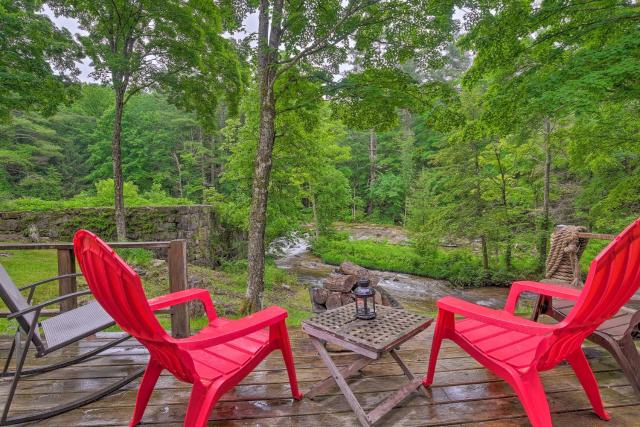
[[464, 393]]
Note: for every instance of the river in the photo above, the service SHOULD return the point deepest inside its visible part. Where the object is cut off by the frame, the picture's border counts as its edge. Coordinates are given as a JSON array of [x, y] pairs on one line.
[[413, 292]]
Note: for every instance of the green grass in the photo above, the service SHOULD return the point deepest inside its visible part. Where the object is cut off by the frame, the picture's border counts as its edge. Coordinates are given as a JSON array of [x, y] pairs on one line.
[[227, 285], [461, 267]]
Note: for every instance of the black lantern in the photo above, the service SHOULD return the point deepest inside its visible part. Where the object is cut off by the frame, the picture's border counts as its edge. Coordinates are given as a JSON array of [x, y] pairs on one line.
[[365, 300]]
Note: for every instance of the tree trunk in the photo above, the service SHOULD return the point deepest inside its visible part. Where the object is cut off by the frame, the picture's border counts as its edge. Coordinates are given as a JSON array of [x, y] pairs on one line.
[[176, 159], [546, 203], [315, 215], [116, 156], [268, 49], [485, 253], [373, 149], [353, 204], [259, 197], [479, 208], [503, 198]]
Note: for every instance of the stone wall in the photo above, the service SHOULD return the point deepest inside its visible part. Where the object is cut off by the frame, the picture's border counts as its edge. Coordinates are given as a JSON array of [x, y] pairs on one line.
[[196, 223]]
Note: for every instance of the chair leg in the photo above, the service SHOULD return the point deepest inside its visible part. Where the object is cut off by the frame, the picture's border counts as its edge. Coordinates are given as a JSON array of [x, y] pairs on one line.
[[629, 360], [287, 355], [542, 304], [22, 356], [533, 398], [203, 397], [580, 365], [10, 355], [445, 320], [147, 385]]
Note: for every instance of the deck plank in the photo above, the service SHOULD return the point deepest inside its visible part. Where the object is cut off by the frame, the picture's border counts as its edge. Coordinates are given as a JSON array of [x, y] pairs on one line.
[[463, 394]]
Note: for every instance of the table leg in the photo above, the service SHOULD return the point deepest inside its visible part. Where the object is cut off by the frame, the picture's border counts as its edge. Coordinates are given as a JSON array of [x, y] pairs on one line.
[[327, 383], [406, 370], [342, 383]]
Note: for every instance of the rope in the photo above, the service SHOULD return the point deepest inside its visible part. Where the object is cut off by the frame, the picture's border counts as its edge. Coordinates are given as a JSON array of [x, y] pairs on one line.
[[563, 262]]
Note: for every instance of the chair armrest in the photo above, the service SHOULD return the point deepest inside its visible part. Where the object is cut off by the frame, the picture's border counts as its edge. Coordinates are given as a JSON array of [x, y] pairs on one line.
[[517, 288], [181, 297], [47, 303], [50, 279], [235, 329], [493, 317]]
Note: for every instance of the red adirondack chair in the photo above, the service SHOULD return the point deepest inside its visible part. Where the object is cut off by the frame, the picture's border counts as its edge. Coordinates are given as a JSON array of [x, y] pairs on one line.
[[213, 360], [517, 349]]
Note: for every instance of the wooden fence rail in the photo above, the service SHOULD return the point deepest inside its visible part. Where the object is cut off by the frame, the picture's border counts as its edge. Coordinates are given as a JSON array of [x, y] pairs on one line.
[[176, 261]]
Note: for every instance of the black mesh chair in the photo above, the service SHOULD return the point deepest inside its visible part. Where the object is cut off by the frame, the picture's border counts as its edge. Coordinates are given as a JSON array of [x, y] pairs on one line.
[[48, 335]]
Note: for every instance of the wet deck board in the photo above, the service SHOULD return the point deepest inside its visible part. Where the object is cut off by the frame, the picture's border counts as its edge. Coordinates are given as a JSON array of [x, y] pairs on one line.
[[464, 393]]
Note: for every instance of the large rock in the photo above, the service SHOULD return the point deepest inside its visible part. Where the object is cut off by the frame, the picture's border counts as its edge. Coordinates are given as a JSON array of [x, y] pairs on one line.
[[340, 283], [352, 269], [346, 298], [334, 300], [319, 295]]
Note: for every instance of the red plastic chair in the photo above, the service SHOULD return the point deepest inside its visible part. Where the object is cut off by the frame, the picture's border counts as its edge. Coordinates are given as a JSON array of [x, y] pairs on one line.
[[214, 360], [517, 349]]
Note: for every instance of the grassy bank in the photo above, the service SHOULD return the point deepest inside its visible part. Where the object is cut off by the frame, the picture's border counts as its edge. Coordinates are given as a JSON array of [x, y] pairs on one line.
[[226, 284], [462, 267]]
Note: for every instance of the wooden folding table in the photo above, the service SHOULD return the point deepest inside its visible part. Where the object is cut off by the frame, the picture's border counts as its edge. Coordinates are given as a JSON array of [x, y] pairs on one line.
[[370, 339]]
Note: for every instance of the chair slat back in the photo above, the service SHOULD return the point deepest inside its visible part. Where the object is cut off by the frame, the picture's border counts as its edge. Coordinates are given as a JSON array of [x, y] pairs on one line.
[[15, 301], [117, 287], [614, 276]]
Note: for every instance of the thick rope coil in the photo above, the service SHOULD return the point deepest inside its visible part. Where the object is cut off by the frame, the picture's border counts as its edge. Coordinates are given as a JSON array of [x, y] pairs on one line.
[[563, 262]]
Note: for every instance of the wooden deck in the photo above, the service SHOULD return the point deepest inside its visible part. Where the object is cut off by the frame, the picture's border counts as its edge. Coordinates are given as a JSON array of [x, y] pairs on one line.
[[464, 393]]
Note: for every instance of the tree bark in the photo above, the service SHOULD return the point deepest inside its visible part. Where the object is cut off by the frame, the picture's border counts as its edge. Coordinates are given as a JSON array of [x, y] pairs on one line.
[[546, 202], [116, 156], [268, 46], [373, 154]]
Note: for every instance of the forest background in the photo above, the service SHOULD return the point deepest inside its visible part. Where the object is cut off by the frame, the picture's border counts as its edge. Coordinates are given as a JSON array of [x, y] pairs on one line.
[[511, 117]]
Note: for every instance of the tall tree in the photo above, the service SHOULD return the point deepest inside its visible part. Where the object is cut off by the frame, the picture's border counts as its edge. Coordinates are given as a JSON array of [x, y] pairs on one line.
[[375, 100], [137, 44], [312, 35], [37, 69]]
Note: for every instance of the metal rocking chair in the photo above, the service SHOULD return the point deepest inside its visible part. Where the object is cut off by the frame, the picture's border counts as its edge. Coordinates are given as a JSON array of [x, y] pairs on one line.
[[51, 334]]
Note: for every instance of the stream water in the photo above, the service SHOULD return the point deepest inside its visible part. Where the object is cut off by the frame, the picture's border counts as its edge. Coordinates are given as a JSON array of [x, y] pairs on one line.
[[411, 291]]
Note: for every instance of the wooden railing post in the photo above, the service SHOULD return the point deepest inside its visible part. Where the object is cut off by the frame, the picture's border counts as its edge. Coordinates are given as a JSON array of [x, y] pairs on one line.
[[67, 265], [177, 261]]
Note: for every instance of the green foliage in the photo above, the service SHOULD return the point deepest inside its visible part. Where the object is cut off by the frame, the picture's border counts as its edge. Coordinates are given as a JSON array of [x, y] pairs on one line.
[[136, 256], [165, 150], [103, 197], [461, 267], [162, 147], [304, 166], [371, 99], [171, 44], [37, 68]]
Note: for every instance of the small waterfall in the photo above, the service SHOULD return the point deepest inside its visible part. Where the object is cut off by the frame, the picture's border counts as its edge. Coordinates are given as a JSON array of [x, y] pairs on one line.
[[289, 246]]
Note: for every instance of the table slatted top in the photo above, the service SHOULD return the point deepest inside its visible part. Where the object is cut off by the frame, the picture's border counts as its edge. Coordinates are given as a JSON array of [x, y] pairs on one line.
[[390, 328]]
